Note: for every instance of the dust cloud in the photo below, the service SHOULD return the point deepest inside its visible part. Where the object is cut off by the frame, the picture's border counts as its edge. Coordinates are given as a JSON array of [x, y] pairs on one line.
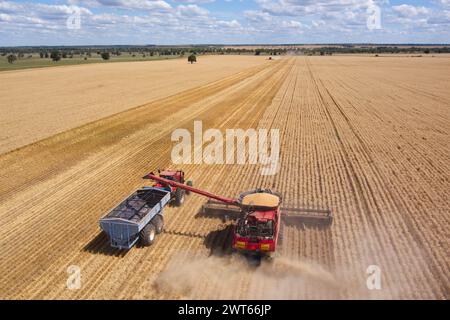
[[237, 276]]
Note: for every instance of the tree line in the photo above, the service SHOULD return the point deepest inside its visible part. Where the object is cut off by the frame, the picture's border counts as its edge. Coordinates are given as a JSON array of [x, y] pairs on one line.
[[105, 52]]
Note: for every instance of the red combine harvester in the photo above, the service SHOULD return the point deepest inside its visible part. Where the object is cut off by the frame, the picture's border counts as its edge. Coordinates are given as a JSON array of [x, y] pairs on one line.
[[258, 215]]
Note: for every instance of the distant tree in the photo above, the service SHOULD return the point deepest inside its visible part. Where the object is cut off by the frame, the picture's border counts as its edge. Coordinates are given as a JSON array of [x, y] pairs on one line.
[[55, 55], [427, 51], [105, 55], [64, 55], [257, 52], [192, 58], [41, 54], [46, 55], [11, 58]]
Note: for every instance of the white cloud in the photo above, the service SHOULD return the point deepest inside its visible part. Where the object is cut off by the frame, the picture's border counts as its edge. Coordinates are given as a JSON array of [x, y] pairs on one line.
[[409, 11], [257, 16], [188, 22], [302, 7], [292, 24], [233, 24], [194, 1], [442, 18], [5, 17], [192, 10], [8, 7], [126, 4]]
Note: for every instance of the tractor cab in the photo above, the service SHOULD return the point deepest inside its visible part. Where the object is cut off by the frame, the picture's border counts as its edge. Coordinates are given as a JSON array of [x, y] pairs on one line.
[[172, 175], [169, 176]]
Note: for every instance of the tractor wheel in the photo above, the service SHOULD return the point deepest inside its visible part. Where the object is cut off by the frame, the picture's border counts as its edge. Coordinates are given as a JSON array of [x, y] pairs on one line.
[[148, 234], [179, 197], [189, 183], [158, 222]]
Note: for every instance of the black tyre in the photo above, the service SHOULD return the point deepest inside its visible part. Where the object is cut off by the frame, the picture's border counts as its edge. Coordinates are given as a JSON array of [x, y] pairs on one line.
[[179, 197], [158, 222], [148, 234], [190, 184]]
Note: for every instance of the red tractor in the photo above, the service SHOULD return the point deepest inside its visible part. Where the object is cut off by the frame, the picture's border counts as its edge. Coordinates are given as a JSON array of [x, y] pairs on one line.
[[257, 213], [176, 193]]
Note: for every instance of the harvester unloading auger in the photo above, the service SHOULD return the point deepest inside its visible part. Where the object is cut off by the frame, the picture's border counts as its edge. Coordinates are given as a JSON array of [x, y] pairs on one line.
[[258, 215]]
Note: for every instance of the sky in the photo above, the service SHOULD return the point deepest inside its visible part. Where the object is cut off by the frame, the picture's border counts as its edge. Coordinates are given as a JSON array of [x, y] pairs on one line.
[[166, 22]]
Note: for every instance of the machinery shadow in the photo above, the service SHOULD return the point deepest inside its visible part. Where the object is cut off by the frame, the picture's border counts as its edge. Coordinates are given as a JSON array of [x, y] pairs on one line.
[[100, 245], [219, 242], [183, 234]]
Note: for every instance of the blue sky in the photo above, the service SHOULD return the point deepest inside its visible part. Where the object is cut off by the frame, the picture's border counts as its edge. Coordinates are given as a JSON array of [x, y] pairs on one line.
[[45, 22]]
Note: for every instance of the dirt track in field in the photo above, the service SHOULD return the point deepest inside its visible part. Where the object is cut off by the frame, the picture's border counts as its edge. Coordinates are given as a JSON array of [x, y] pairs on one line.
[[366, 137]]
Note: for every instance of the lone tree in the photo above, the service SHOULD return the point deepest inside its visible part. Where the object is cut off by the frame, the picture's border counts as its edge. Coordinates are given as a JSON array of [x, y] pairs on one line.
[[11, 58], [105, 55], [192, 58], [55, 55]]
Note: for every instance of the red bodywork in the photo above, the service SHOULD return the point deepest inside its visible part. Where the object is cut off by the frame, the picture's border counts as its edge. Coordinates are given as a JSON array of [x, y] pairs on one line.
[[256, 231], [172, 175], [262, 239]]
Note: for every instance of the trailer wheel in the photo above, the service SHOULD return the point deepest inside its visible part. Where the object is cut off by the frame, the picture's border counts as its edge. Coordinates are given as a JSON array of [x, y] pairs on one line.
[[179, 197], [190, 184], [148, 234], [158, 222]]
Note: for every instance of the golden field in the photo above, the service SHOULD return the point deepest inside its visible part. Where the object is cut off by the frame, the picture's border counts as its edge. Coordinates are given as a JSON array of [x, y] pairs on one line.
[[366, 137]]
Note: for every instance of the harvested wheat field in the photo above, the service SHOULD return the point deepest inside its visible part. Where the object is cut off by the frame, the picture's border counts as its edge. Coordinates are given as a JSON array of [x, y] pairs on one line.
[[36, 104], [366, 137]]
